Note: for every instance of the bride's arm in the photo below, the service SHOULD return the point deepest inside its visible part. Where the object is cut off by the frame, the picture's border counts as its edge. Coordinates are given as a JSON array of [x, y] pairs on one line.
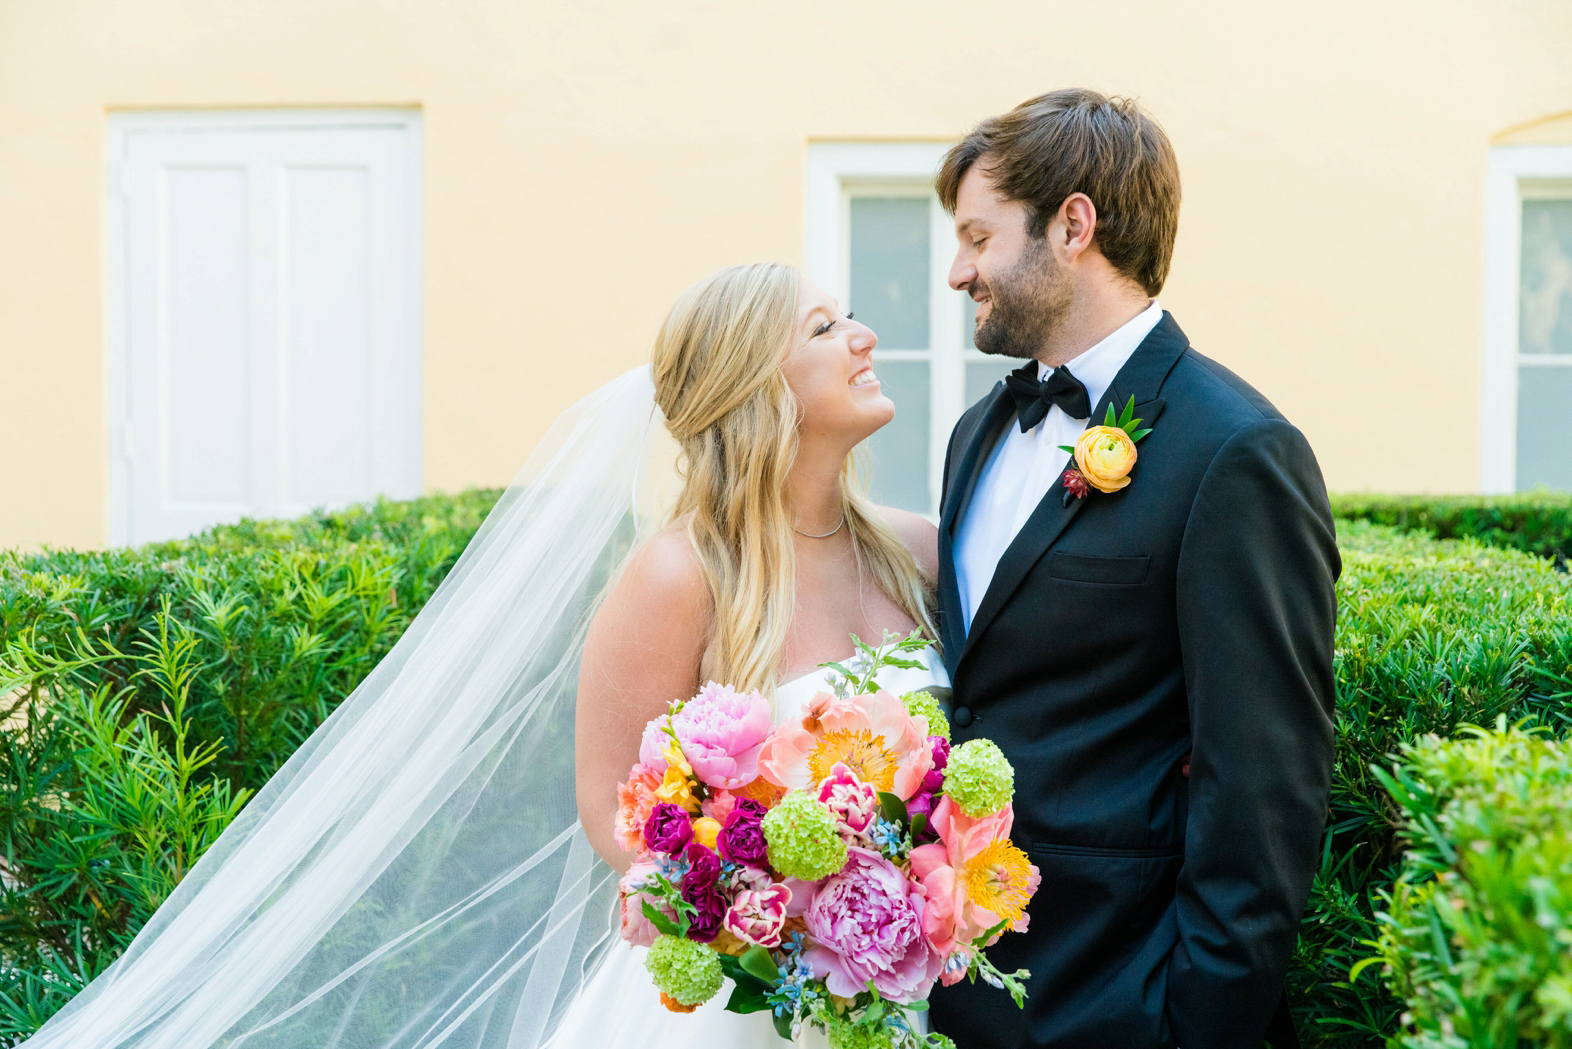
[[643, 650]]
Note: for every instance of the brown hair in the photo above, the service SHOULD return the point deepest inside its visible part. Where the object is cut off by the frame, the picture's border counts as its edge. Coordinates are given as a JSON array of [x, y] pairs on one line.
[[1078, 141]]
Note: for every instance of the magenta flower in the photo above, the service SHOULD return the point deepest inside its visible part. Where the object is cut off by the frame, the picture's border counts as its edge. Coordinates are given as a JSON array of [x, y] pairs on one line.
[[722, 731], [668, 828], [759, 916], [700, 887], [854, 802], [867, 924], [741, 839]]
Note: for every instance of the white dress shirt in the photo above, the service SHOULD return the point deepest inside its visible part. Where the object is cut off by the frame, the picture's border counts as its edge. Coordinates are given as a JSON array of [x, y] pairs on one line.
[[1023, 466]]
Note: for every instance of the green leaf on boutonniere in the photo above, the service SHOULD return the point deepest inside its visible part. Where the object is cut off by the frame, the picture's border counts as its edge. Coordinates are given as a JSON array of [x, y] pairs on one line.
[[1067, 448], [1126, 420]]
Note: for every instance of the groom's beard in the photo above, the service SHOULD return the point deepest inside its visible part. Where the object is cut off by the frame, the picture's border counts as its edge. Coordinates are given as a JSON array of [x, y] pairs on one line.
[[1028, 304]]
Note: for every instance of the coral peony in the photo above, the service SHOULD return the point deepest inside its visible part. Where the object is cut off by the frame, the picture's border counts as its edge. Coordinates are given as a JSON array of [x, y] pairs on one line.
[[635, 801], [871, 735], [722, 731], [759, 916], [854, 802], [866, 923], [974, 877]]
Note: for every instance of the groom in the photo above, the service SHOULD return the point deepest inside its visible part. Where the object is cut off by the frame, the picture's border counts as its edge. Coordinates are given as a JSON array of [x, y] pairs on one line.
[[1151, 647]]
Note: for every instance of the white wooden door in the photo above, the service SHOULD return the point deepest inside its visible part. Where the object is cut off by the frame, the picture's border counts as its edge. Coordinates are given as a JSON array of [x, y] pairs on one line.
[[265, 331]]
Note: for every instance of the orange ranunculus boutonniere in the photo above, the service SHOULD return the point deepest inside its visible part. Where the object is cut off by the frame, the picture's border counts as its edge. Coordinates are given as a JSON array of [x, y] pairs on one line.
[[1104, 455]]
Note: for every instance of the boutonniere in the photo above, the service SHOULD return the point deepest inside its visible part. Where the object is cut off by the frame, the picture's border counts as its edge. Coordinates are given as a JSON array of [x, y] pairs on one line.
[[1104, 455]]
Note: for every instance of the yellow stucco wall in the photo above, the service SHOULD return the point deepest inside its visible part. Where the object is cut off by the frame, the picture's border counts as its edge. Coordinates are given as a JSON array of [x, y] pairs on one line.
[[584, 161]]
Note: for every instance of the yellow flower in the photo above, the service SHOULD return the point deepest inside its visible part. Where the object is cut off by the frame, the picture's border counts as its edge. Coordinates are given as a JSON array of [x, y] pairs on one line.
[[705, 831], [1002, 880], [677, 788], [1105, 455]]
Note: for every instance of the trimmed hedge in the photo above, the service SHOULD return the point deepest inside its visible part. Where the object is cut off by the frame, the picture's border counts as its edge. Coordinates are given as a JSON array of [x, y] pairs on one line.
[[147, 692], [1431, 636], [1537, 522], [1480, 925], [144, 694]]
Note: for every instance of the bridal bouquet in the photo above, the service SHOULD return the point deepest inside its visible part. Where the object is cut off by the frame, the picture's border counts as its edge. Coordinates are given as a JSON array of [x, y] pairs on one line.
[[833, 867]]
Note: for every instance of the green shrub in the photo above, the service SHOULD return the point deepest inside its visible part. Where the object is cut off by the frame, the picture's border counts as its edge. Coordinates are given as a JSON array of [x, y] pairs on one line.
[[144, 694], [1431, 636], [1538, 522], [1478, 941]]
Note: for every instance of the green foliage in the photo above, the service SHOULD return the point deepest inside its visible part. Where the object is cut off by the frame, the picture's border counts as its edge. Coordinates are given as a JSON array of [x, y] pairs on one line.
[[1431, 636], [1538, 522], [144, 694], [1480, 924]]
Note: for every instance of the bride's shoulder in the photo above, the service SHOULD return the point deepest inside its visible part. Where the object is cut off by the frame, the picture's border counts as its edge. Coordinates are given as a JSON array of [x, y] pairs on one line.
[[919, 535], [665, 571]]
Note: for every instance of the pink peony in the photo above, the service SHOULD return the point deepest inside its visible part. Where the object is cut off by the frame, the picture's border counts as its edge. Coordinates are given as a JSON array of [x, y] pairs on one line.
[[974, 877], [759, 916], [871, 735], [722, 731], [866, 923], [636, 927], [854, 802], [652, 745], [635, 801]]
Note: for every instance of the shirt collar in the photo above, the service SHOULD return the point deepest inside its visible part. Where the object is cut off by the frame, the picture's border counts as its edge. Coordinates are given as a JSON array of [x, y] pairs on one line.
[[1097, 366]]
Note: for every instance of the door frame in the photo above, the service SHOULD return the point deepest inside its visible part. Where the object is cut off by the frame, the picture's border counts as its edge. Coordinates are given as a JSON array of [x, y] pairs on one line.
[[123, 127], [1514, 174]]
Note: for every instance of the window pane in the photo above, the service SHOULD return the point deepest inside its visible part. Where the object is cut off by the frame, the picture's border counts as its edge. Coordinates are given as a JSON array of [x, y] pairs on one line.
[[900, 450], [1544, 441], [889, 269], [1545, 318], [981, 376], [969, 325]]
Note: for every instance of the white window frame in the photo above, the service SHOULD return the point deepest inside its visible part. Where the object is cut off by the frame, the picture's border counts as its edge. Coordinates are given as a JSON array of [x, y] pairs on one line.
[[837, 171], [123, 126], [1515, 174]]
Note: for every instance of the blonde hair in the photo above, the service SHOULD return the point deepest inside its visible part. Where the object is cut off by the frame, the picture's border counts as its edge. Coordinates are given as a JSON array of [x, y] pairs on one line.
[[719, 379]]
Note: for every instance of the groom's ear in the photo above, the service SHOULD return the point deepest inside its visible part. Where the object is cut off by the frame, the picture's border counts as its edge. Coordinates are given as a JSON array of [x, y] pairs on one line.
[[1073, 229]]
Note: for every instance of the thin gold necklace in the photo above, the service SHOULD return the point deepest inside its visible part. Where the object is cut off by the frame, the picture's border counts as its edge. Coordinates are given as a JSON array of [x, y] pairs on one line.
[[826, 535]]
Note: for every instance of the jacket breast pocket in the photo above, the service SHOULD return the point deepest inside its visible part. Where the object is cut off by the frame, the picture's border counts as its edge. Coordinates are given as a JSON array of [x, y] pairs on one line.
[[1086, 568]]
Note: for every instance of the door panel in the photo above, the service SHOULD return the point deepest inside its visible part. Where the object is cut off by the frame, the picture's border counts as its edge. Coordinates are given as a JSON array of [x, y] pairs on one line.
[[270, 355]]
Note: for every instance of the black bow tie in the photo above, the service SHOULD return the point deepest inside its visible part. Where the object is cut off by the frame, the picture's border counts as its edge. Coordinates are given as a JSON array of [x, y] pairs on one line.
[[1033, 398]]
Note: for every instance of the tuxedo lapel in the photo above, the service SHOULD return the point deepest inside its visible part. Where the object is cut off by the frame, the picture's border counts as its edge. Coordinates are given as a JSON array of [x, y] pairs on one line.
[[962, 482], [1142, 378]]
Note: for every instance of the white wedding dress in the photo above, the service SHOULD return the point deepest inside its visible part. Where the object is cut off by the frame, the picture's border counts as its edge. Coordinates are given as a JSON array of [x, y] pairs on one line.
[[619, 1007]]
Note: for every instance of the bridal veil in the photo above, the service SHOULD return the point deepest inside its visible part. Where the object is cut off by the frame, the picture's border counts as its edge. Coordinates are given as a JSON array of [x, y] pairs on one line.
[[415, 875]]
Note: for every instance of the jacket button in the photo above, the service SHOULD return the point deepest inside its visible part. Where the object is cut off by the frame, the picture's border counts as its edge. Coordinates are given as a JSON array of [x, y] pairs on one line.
[[962, 716]]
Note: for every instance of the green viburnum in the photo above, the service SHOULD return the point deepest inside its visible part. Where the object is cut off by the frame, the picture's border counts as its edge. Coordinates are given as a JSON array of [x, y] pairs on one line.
[[979, 778], [803, 837], [686, 971], [923, 705], [861, 1036]]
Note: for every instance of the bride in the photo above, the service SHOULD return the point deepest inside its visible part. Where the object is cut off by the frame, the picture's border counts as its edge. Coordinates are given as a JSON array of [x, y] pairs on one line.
[[773, 559], [418, 874]]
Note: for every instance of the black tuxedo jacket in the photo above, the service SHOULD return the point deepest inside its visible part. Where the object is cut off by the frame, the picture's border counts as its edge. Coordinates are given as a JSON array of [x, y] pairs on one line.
[[1187, 618]]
